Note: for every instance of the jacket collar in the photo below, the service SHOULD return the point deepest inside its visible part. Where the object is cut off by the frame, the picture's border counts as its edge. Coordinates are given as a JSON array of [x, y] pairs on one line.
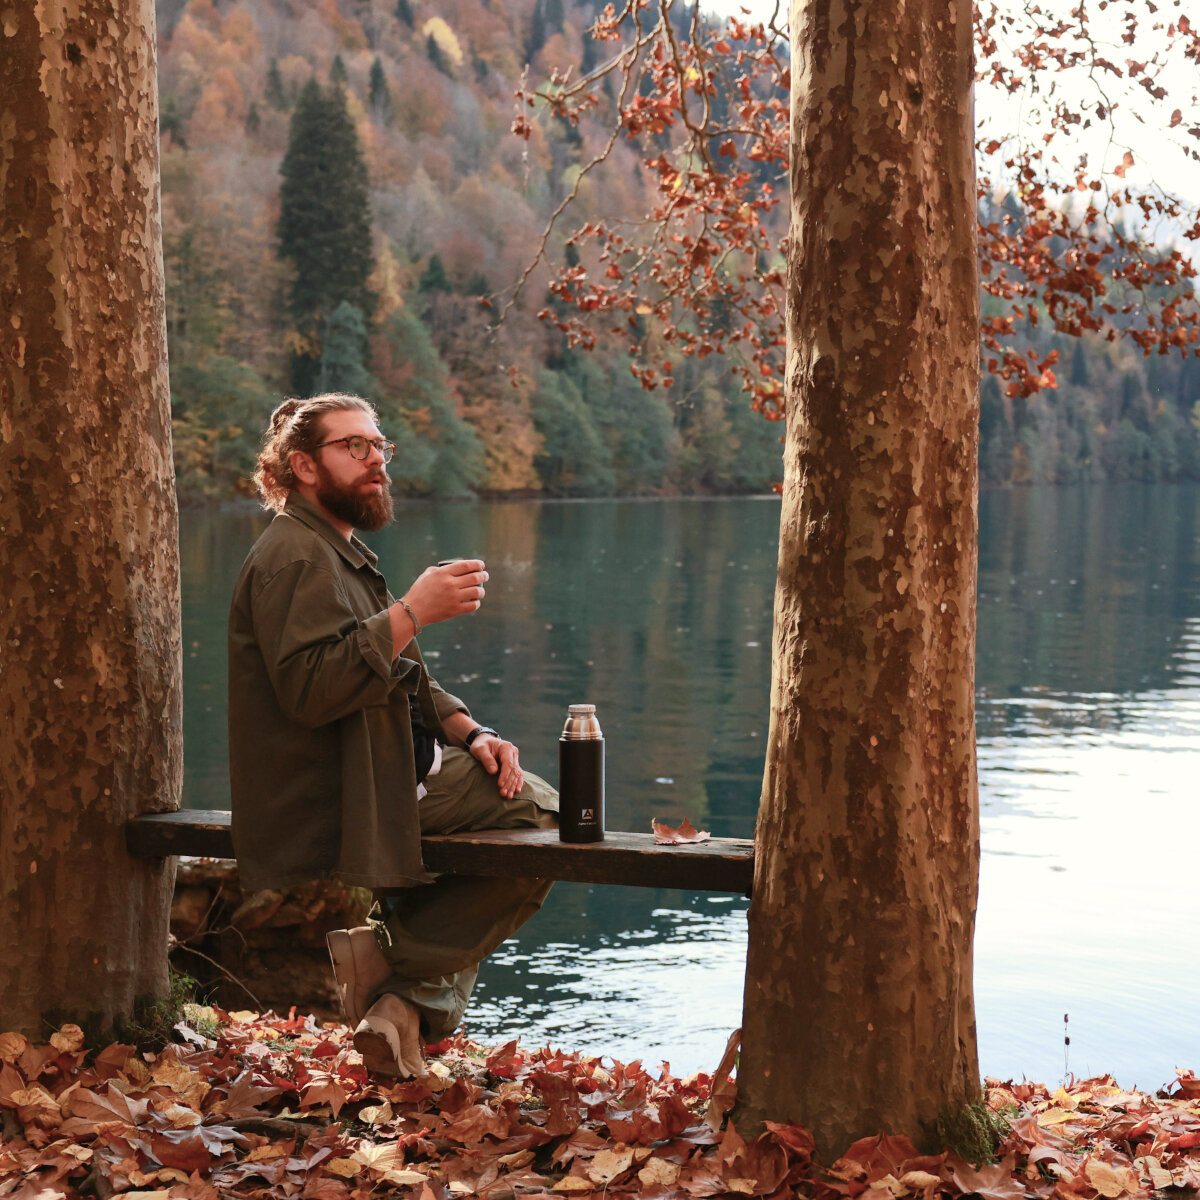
[[354, 551]]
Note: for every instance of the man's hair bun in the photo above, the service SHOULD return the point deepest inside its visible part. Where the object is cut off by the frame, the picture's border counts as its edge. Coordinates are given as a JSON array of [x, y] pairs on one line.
[[283, 412]]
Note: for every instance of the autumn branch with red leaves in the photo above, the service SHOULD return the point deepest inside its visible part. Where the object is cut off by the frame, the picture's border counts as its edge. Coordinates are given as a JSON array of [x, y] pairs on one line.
[[1072, 244]]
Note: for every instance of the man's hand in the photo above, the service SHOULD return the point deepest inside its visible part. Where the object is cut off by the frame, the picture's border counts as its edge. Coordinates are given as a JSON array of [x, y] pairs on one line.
[[439, 594], [499, 758]]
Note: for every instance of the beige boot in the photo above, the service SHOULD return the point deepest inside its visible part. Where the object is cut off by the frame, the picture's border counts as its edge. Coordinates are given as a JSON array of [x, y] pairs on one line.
[[389, 1039], [359, 967]]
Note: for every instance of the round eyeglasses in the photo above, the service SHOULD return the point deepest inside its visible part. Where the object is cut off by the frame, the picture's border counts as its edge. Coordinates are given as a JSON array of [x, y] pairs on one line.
[[361, 447]]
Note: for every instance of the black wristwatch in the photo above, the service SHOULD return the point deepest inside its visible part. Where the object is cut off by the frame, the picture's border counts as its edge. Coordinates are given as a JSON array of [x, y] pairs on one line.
[[475, 733]]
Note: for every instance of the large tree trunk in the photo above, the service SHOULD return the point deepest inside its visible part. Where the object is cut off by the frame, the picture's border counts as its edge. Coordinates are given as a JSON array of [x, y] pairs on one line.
[[89, 623], [859, 1014]]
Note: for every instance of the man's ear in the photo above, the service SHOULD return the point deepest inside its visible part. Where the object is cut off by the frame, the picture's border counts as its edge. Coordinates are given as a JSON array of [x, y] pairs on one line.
[[303, 467]]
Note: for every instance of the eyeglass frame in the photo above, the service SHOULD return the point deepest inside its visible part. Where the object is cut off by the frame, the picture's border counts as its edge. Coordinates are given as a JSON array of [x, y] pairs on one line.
[[386, 449]]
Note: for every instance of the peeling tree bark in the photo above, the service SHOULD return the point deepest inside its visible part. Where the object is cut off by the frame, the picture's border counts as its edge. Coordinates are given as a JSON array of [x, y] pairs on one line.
[[90, 721], [859, 1011]]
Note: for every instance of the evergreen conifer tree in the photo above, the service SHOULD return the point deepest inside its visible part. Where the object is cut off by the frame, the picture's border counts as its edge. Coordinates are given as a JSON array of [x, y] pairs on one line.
[[537, 31], [276, 97], [438, 452], [172, 122], [324, 220], [434, 277], [342, 367], [1079, 367], [1188, 383], [404, 12], [337, 72], [253, 120], [379, 95], [573, 460]]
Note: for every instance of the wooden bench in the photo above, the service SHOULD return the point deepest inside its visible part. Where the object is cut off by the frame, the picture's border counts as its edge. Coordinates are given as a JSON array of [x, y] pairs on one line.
[[718, 865]]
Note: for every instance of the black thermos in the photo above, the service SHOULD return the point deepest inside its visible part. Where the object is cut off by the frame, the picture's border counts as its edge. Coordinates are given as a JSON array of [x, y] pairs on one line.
[[581, 777]]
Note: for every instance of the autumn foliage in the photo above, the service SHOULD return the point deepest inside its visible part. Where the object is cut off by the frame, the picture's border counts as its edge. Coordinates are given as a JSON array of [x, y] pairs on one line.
[[1067, 236], [267, 1106]]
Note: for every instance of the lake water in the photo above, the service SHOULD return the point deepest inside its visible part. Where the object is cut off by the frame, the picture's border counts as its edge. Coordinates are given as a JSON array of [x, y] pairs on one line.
[[659, 612]]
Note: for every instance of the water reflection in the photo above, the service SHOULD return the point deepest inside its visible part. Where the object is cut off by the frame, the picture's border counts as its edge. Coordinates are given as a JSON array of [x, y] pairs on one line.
[[1088, 716]]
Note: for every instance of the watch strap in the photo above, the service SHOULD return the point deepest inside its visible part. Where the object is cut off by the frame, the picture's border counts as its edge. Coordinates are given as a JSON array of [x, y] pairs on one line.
[[476, 732]]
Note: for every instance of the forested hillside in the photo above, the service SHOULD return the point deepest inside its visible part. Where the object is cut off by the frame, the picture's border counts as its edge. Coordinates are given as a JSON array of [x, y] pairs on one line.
[[340, 188], [1114, 417], [403, 198]]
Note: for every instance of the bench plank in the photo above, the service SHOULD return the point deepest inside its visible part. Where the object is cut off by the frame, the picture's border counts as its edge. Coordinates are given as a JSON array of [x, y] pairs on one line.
[[718, 865]]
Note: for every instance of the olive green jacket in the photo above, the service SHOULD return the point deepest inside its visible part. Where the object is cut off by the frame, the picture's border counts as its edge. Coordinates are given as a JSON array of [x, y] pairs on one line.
[[320, 739]]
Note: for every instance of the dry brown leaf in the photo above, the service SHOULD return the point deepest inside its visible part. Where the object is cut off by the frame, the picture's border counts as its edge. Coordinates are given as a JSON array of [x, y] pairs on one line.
[[35, 1106], [68, 1039], [685, 834], [345, 1168], [376, 1114], [798, 1141], [1111, 1181], [389, 1162], [993, 1182], [327, 1091], [916, 1180], [659, 1172], [243, 1098], [1055, 1116], [724, 1090], [180, 1117], [387, 1157], [185, 1082], [137, 1074], [188, 1149], [1159, 1176], [405, 1178], [517, 1160], [12, 1046], [610, 1164], [269, 1151], [318, 1187], [574, 1183]]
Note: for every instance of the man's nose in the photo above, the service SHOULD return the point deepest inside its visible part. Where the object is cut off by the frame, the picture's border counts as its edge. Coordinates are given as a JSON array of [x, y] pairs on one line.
[[375, 454]]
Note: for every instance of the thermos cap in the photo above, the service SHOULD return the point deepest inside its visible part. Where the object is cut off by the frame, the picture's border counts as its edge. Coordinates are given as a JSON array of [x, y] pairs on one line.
[[581, 725]]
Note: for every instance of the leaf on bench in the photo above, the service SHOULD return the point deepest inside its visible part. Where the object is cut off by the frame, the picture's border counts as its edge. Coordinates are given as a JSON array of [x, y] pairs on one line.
[[665, 835]]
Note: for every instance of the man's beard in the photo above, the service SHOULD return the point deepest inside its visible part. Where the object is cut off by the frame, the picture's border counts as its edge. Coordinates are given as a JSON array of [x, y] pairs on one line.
[[367, 511]]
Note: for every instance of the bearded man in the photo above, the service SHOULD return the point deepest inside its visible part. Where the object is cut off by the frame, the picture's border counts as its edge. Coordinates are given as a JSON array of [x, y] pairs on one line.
[[343, 751]]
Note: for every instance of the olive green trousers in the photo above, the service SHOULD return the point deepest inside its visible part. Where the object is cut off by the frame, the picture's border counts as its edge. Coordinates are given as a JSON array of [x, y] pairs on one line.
[[435, 936]]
